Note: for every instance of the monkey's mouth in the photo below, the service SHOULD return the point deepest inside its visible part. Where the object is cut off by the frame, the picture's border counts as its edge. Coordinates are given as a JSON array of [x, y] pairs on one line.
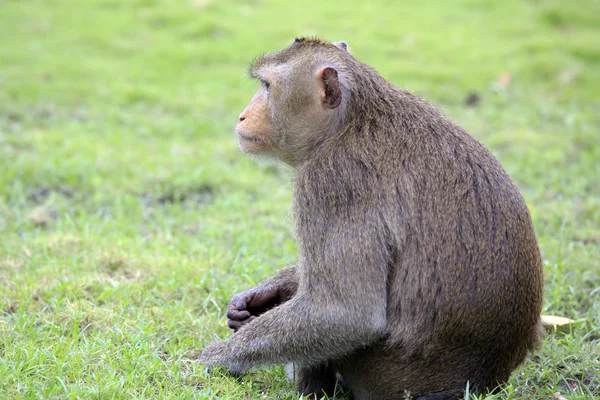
[[250, 139]]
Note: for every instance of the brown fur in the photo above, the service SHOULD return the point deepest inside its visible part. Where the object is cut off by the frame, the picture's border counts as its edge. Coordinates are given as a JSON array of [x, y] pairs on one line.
[[418, 269]]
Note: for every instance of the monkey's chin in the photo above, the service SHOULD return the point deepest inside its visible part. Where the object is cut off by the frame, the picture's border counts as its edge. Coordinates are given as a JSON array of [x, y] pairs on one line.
[[261, 156], [251, 145]]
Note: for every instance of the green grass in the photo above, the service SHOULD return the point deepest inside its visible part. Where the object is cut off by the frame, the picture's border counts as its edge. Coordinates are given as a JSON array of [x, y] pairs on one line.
[[128, 215]]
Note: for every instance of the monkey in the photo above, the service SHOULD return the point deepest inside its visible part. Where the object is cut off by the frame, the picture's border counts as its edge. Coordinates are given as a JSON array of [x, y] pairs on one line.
[[418, 268]]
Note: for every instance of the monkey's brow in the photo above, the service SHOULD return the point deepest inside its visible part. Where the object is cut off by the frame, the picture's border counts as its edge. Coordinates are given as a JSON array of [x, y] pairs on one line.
[[254, 75], [251, 72], [255, 66]]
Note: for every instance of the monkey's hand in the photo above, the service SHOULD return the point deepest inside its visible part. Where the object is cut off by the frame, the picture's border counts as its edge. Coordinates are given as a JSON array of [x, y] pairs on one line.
[[246, 306], [221, 354]]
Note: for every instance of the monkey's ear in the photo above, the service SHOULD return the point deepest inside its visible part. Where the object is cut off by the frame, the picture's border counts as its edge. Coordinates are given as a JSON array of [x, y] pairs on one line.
[[332, 95], [341, 45]]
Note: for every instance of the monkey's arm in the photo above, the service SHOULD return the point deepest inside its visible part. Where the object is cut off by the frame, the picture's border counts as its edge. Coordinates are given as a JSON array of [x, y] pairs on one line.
[[246, 306], [340, 305]]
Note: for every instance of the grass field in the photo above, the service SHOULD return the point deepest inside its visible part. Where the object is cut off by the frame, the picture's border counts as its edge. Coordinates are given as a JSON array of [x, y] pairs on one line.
[[128, 216]]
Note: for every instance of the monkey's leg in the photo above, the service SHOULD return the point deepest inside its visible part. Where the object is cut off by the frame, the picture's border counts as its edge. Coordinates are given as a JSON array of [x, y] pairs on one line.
[[317, 380]]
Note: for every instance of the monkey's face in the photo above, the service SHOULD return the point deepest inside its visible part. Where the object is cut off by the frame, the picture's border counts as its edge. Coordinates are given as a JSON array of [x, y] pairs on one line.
[[255, 126], [293, 108]]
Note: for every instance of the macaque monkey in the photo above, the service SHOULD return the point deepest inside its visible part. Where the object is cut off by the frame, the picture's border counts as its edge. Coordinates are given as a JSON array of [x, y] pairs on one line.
[[418, 268]]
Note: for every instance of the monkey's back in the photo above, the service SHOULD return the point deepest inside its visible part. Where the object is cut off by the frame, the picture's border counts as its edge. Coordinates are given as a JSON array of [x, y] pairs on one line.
[[467, 276], [465, 282]]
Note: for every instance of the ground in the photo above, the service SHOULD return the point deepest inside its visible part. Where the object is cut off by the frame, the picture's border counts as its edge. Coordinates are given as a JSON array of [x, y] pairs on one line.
[[128, 216]]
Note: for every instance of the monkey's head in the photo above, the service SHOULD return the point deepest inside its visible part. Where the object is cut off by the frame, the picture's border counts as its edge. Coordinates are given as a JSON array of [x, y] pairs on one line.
[[301, 100]]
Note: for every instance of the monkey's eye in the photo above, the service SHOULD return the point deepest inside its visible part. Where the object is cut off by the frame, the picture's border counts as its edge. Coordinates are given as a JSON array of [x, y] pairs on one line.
[[265, 84]]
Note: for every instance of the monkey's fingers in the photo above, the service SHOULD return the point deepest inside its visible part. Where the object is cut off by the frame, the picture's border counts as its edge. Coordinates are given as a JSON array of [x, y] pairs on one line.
[[239, 304], [238, 315], [263, 300], [236, 318], [235, 325]]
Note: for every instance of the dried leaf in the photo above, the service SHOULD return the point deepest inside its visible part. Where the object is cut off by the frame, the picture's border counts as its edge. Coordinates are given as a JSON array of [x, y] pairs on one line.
[[554, 323]]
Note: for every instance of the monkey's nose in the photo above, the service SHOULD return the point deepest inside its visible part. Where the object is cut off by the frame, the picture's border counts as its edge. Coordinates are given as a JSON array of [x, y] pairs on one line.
[[241, 118]]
